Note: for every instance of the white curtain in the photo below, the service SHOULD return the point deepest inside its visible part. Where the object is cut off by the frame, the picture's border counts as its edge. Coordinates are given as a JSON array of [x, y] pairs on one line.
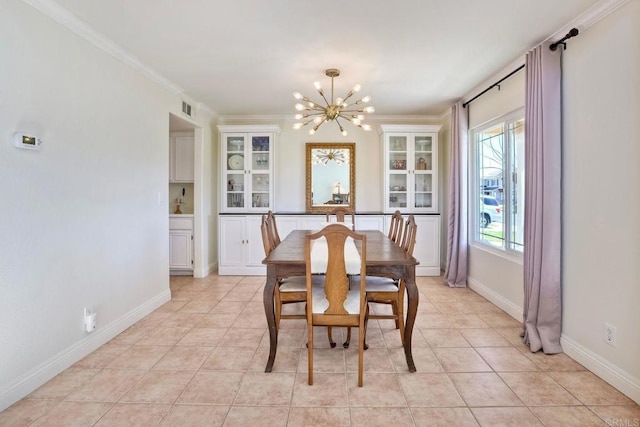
[[456, 265], [542, 320]]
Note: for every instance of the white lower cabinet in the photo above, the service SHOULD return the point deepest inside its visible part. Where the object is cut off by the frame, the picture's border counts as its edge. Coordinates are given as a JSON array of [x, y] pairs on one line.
[[241, 250], [181, 244], [240, 244], [427, 249]]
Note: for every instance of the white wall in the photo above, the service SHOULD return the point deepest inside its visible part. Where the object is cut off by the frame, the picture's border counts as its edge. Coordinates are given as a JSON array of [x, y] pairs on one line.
[[601, 199], [84, 220], [601, 196]]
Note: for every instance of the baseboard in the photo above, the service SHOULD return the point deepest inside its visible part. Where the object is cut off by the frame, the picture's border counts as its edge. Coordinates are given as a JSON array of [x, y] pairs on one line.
[[618, 378], [501, 302], [36, 377]]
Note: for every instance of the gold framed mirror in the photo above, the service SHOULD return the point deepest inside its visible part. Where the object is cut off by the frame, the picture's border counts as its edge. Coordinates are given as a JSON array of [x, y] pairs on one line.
[[331, 176]]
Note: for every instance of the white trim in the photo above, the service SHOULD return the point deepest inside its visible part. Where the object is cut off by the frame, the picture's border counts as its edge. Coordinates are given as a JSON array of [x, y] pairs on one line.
[[612, 374], [618, 378], [507, 254], [582, 22], [408, 128], [70, 21], [28, 382], [589, 17], [492, 296], [249, 128]]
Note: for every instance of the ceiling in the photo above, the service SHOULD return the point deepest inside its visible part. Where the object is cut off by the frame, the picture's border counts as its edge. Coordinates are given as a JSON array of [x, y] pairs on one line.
[[246, 57]]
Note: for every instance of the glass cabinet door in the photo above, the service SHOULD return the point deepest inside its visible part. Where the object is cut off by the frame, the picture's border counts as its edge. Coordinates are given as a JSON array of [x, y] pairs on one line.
[[423, 171], [261, 152], [397, 175], [234, 147], [411, 170]]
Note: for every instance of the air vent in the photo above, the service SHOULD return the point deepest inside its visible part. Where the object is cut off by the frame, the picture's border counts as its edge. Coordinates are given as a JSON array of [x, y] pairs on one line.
[[186, 108]]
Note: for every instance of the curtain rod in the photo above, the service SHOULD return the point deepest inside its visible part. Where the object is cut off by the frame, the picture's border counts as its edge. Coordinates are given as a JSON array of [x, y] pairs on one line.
[[572, 33], [493, 85]]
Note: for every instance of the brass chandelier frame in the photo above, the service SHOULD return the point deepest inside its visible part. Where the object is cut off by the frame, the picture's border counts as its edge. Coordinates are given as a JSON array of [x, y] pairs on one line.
[[333, 110]]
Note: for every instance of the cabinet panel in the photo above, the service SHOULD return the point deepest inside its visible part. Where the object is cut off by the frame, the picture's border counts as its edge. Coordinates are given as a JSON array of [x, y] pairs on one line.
[[180, 250], [231, 241], [369, 222], [253, 242], [181, 159], [427, 249]]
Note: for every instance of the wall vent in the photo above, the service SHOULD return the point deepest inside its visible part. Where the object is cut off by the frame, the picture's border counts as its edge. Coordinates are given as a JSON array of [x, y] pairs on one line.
[[186, 108]]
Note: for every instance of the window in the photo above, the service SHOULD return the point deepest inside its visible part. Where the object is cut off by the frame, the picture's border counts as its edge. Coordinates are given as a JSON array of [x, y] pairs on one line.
[[498, 184]]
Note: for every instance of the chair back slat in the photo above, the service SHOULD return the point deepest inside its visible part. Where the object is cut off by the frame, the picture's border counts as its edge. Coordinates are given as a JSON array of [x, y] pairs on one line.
[[336, 284], [275, 236], [266, 231], [341, 215], [395, 229], [409, 235]]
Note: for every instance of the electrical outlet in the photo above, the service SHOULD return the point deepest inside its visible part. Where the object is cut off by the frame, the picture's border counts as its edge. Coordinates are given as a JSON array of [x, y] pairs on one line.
[[610, 334]]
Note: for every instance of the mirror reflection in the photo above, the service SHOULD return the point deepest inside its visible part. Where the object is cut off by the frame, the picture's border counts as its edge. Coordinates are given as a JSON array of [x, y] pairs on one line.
[[330, 176]]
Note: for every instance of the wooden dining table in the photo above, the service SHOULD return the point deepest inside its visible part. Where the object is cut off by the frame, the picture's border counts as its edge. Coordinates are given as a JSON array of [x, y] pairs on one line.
[[384, 258]]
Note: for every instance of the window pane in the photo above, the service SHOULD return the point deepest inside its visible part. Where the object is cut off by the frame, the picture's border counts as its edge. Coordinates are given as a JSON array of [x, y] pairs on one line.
[[490, 160], [516, 133]]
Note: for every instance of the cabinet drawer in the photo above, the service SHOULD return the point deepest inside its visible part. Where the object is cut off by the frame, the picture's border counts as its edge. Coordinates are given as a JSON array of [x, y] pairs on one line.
[[180, 223]]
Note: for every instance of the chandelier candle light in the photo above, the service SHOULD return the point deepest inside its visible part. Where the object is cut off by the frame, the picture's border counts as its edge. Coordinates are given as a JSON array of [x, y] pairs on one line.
[[333, 110]]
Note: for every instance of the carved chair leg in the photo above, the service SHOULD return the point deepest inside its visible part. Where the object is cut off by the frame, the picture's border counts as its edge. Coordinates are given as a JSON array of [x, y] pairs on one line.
[[348, 341], [329, 335]]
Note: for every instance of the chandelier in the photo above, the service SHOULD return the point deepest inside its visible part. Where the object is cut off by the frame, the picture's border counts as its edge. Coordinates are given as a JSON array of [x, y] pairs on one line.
[[333, 110], [322, 157]]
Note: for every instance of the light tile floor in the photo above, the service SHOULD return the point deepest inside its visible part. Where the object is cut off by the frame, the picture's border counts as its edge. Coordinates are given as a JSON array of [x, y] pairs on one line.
[[199, 361]]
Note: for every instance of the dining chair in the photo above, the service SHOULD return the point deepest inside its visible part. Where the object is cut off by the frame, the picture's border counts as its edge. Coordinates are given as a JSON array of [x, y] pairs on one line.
[[341, 214], [385, 290], [334, 303], [274, 228], [395, 229], [290, 290]]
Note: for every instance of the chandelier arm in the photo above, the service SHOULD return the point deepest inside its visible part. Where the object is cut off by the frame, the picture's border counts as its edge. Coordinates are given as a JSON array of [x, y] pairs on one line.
[[358, 102], [319, 124], [316, 108], [306, 123], [350, 120], [349, 95], [324, 97], [353, 111], [339, 125]]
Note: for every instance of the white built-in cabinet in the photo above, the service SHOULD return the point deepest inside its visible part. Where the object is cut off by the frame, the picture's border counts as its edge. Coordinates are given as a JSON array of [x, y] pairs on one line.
[[410, 180], [181, 157], [181, 243], [240, 243], [410, 185], [427, 248], [247, 156], [241, 250]]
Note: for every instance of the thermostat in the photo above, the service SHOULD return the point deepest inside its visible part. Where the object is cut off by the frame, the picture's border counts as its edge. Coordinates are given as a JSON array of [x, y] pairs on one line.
[[30, 142]]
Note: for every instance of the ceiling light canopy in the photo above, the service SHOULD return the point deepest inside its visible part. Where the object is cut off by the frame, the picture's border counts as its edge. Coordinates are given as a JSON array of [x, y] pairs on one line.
[[333, 110]]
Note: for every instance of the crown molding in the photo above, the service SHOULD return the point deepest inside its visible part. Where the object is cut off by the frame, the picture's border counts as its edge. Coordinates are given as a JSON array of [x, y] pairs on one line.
[[582, 22], [70, 21], [589, 17]]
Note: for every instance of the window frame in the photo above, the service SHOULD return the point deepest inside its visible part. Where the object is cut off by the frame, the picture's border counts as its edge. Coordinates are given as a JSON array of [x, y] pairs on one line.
[[474, 193]]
